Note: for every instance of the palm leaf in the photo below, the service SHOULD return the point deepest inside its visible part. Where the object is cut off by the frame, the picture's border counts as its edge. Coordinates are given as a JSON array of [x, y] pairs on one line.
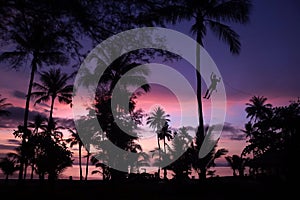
[[226, 34]]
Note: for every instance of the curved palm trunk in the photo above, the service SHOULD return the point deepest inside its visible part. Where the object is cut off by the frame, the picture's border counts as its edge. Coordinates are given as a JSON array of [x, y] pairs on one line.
[[200, 131], [80, 165], [33, 70], [87, 166]]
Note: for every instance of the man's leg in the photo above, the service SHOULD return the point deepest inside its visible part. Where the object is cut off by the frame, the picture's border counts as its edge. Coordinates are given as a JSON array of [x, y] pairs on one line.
[[206, 93], [209, 94]]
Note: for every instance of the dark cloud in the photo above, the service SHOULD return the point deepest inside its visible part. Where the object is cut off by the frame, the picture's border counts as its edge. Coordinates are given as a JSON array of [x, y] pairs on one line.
[[7, 147], [45, 105], [13, 141], [228, 127], [64, 122], [241, 136], [222, 163], [18, 94], [232, 132], [191, 128], [16, 117]]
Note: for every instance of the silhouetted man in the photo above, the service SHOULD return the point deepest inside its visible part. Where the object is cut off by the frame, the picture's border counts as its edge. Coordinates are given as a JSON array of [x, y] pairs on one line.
[[213, 85]]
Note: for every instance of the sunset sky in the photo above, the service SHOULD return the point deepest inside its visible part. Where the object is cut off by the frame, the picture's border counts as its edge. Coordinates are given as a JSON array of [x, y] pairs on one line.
[[268, 65]]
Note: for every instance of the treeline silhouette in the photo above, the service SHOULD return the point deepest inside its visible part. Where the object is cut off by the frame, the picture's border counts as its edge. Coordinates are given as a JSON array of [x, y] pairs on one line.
[[55, 33]]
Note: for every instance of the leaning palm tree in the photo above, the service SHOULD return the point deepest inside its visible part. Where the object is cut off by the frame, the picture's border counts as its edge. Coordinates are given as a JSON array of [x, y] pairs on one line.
[[75, 140], [157, 120], [54, 84], [208, 14], [3, 106], [258, 109]]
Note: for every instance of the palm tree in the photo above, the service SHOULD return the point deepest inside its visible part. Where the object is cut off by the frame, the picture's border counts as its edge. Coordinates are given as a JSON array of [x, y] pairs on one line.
[[75, 140], [8, 166], [236, 163], [39, 122], [87, 164], [258, 109], [164, 133], [37, 42], [182, 142], [157, 120], [212, 14], [3, 106], [104, 169], [54, 84]]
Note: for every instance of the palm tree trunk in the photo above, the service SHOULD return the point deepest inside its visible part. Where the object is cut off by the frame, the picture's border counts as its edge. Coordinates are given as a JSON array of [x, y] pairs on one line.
[[165, 170], [87, 166], [51, 122], [33, 70], [51, 108], [159, 157], [80, 165], [25, 171], [32, 171], [200, 131]]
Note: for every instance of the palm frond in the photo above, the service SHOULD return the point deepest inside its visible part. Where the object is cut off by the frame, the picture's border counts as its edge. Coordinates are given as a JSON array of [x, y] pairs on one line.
[[232, 11], [226, 34]]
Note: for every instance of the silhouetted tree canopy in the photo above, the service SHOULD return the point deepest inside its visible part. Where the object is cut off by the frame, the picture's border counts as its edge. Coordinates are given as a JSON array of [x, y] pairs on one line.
[[272, 137]]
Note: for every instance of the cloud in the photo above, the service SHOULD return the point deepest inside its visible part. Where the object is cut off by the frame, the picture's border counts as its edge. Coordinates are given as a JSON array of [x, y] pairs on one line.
[[232, 132], [18, 94], [229, 128], [64, 122], [191, 128], [13, 141], [7, 147], [45, 105], [16, 117]]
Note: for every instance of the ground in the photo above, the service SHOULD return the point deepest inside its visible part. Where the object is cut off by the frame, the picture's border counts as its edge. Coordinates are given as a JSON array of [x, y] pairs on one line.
[[215, 188]]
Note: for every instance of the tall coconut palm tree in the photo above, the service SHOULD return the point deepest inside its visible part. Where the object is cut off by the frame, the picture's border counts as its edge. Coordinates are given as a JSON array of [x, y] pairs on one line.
[[75, 140], [258, 109], [3, 106], [54, 84], [156, 120], [208, 14], [36, 42]]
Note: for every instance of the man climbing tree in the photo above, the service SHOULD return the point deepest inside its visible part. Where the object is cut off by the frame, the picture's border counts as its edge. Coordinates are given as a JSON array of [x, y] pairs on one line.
[[213, 85]]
